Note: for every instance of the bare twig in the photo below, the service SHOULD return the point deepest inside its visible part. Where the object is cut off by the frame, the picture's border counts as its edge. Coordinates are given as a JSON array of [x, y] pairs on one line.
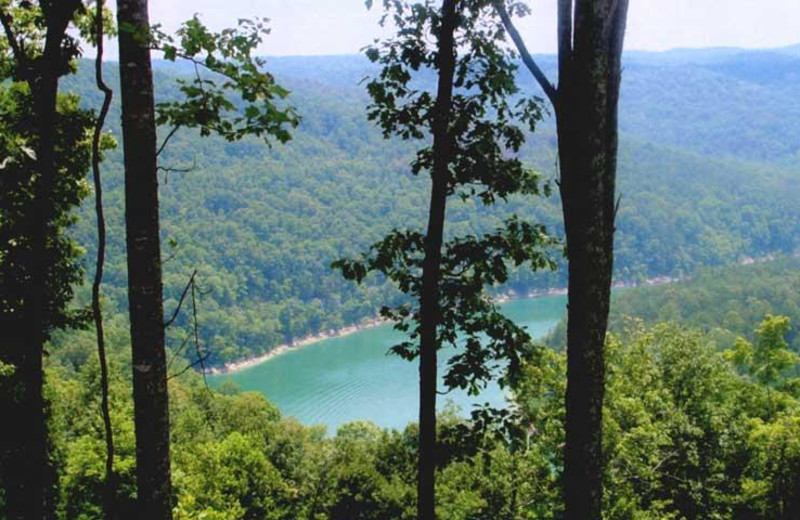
[[191, 288], [189, 284], [166, 139], [200, 356], [170, 257], [190, 366], [177, 351], [168, 169]]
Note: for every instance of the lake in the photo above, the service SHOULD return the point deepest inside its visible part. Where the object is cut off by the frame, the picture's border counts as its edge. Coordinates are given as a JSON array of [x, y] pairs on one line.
[[352, 377]]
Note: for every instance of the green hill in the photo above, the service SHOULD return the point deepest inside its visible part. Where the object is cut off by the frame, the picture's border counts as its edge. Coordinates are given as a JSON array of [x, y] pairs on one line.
[[706, 179]]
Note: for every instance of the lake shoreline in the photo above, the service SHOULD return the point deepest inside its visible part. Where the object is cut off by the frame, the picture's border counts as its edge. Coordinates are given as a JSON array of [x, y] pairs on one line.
[[238, 366]]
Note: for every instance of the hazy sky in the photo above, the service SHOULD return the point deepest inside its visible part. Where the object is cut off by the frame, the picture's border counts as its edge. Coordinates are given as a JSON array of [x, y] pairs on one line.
[[344, 26]]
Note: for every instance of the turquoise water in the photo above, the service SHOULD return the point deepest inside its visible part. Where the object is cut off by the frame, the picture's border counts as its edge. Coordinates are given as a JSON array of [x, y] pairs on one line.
[[352, 377]]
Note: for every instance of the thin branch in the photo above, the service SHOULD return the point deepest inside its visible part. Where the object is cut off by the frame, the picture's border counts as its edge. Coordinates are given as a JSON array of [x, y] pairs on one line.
[[527, 59], [200, 356], [8, 22], [180, 302], [166, 139], [109, 490], [171, 257], [189, 367], [168, 169], [177, 351]]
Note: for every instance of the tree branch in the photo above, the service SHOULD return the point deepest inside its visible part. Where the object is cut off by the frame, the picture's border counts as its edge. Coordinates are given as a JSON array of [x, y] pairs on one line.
[[195, 334], [170, 169], [8, 22], [166, 139], [200, 356], [180, 302], [190, 366], [527, 59]]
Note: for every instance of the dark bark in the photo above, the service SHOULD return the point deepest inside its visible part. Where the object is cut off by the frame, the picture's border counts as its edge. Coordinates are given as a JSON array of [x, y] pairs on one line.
[[145, 299], [590, 37], [27, 473], [587, 135], [431, 270], [109, 489]]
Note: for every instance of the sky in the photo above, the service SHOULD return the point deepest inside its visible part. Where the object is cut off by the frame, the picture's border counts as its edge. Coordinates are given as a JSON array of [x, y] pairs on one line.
[[318, 27]]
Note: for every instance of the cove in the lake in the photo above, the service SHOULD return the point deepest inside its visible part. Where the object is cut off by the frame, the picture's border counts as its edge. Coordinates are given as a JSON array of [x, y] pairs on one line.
[[350, 378]]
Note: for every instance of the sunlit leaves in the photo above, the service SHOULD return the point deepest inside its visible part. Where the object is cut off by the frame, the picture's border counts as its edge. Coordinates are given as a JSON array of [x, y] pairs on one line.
[[483, 138], [26, 23], [18, 175], [769, 360], [230, 93]]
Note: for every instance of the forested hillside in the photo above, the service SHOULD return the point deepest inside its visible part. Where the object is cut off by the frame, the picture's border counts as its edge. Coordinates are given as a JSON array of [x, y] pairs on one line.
[[729, 299], [724, 302], [705, 179], [227, 209]]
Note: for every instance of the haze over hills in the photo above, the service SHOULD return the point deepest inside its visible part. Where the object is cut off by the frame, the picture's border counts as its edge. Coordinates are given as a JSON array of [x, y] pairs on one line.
[[709, 159]]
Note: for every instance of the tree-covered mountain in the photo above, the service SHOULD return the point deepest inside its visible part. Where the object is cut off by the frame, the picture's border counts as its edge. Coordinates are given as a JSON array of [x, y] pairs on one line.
[[724, 302], [706, 178], [726, 299]]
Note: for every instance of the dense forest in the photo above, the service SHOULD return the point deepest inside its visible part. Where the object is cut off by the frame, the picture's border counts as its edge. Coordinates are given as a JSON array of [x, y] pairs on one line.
[[222, 205], [702, 441], [723, 302], [262, 225]]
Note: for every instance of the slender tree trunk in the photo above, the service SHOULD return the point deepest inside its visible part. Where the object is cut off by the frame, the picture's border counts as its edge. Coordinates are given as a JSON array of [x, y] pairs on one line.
[[109, 491], [589, 81], [431, 271], [145, 299]]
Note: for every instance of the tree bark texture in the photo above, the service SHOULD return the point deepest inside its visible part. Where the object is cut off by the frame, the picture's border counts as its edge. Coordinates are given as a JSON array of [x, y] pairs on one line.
[[145, 299], [590, 46]]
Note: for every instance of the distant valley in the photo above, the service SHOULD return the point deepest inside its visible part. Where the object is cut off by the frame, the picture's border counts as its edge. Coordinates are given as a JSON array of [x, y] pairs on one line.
[[707, 177]]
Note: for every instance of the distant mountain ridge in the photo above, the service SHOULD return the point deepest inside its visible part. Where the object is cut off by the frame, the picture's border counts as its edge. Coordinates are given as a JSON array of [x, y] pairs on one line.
[[708, 175]]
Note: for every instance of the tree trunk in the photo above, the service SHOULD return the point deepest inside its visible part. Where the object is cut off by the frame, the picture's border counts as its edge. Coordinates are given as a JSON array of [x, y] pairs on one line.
[[431, 270], [145, 299], [27, 472], [586, 110]]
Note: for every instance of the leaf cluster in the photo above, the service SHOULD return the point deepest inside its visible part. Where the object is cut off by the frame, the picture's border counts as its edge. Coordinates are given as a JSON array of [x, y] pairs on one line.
[[26, 25], [484, 137], [18, 175], [489, 117], [230, 94]]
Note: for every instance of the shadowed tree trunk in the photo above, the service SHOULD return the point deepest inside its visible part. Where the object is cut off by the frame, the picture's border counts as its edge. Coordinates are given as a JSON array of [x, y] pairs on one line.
[[590, 40], [145, 299], [431, 269], [27, 474]]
